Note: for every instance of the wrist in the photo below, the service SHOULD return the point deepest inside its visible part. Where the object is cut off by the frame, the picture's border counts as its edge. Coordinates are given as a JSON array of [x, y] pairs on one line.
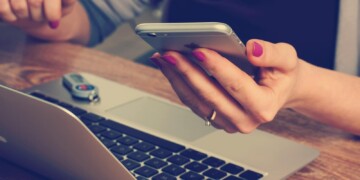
[[304, 79]]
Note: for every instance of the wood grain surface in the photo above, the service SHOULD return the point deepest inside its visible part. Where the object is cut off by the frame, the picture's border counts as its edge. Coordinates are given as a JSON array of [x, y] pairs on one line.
[[23, 66]]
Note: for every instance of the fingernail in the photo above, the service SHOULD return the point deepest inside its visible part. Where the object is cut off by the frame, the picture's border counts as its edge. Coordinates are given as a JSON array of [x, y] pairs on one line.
[[156, 62], [257, 49], [199, 55], [169, 59], [54, 24]]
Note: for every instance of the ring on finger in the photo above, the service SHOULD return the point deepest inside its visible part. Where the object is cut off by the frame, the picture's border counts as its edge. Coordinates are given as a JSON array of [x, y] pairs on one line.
[[211, 117], [36, 10]]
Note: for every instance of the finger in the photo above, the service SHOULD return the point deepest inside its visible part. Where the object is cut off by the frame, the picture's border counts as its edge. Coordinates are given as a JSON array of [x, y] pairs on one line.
[[36, 10], [281, 56], [6, 13], [210, 93], [187, 96], [257, 99], [66, 3], [52, 10], [236, 82], [220, 122], [20, 8]]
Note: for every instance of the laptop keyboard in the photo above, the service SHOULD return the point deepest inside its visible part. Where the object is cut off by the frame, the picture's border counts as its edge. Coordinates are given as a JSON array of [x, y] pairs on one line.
[[151, 157]]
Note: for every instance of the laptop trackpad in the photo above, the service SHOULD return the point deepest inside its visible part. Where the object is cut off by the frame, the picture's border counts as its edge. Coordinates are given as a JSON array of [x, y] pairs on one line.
[[164, 117]]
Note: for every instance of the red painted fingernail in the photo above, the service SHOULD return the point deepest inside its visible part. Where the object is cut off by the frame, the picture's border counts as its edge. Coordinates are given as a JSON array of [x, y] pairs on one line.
[[156, 62], [257, 50], [54, 24], [170, 59], [199, 55]]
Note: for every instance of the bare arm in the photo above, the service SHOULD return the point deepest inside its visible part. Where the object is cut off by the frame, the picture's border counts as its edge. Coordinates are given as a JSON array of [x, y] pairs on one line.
[[328, 96], [284, 81]]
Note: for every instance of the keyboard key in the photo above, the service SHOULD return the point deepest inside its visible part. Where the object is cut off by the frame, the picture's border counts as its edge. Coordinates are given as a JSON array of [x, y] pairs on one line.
[[161, 153], [251, 175], [108, 143], [191, 175], [214, 173], [196, 167], [118, 156], [111, 134], [92, 117], [193, 154], [77, 111], [141, 178], [174, 170], [143, 136], [156, 163], [232, 168], [86, 122], [233, 178], [50, 99], [127, 140], [138, 156], [214, 162], [43, 97], [38, 95], [130, 164], [96, 128], [144, 147], [164, 176], [65, 105], [178, 160], [122, 150], [146, 171]]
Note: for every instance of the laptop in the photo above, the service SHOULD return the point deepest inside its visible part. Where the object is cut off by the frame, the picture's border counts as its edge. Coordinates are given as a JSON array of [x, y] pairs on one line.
[[131, 134]]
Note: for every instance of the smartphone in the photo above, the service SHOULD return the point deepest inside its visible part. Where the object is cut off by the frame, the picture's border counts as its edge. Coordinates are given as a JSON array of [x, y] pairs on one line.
[[185, 37]]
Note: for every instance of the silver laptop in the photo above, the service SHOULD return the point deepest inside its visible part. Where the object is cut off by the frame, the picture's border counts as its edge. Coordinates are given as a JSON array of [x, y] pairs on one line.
[[131, 134]]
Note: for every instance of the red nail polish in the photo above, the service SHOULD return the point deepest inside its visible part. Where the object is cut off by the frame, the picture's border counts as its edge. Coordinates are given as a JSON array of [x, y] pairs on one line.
[[170, 59], [199, 55], [257, 50], [54, 24], [156, 62]]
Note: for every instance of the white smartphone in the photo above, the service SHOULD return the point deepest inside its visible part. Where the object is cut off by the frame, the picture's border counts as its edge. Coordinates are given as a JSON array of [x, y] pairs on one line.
[[185, 37]]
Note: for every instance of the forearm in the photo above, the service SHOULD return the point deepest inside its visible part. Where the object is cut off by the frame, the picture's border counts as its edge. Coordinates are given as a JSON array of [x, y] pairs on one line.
[[328, 96], [75, 27]]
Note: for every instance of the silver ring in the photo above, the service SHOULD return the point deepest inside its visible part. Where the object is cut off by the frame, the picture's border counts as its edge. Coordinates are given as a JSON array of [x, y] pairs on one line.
[[210, 118]]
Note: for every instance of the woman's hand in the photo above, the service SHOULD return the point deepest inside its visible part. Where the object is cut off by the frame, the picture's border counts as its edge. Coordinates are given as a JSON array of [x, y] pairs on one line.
[[241, 103], [32, 13]]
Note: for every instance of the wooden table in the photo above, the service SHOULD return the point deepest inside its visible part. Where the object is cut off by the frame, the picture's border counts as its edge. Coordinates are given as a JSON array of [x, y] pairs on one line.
[[37, 63]]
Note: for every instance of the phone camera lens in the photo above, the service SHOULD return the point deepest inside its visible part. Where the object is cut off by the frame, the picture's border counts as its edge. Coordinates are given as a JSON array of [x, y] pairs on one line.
[[151, 34]]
